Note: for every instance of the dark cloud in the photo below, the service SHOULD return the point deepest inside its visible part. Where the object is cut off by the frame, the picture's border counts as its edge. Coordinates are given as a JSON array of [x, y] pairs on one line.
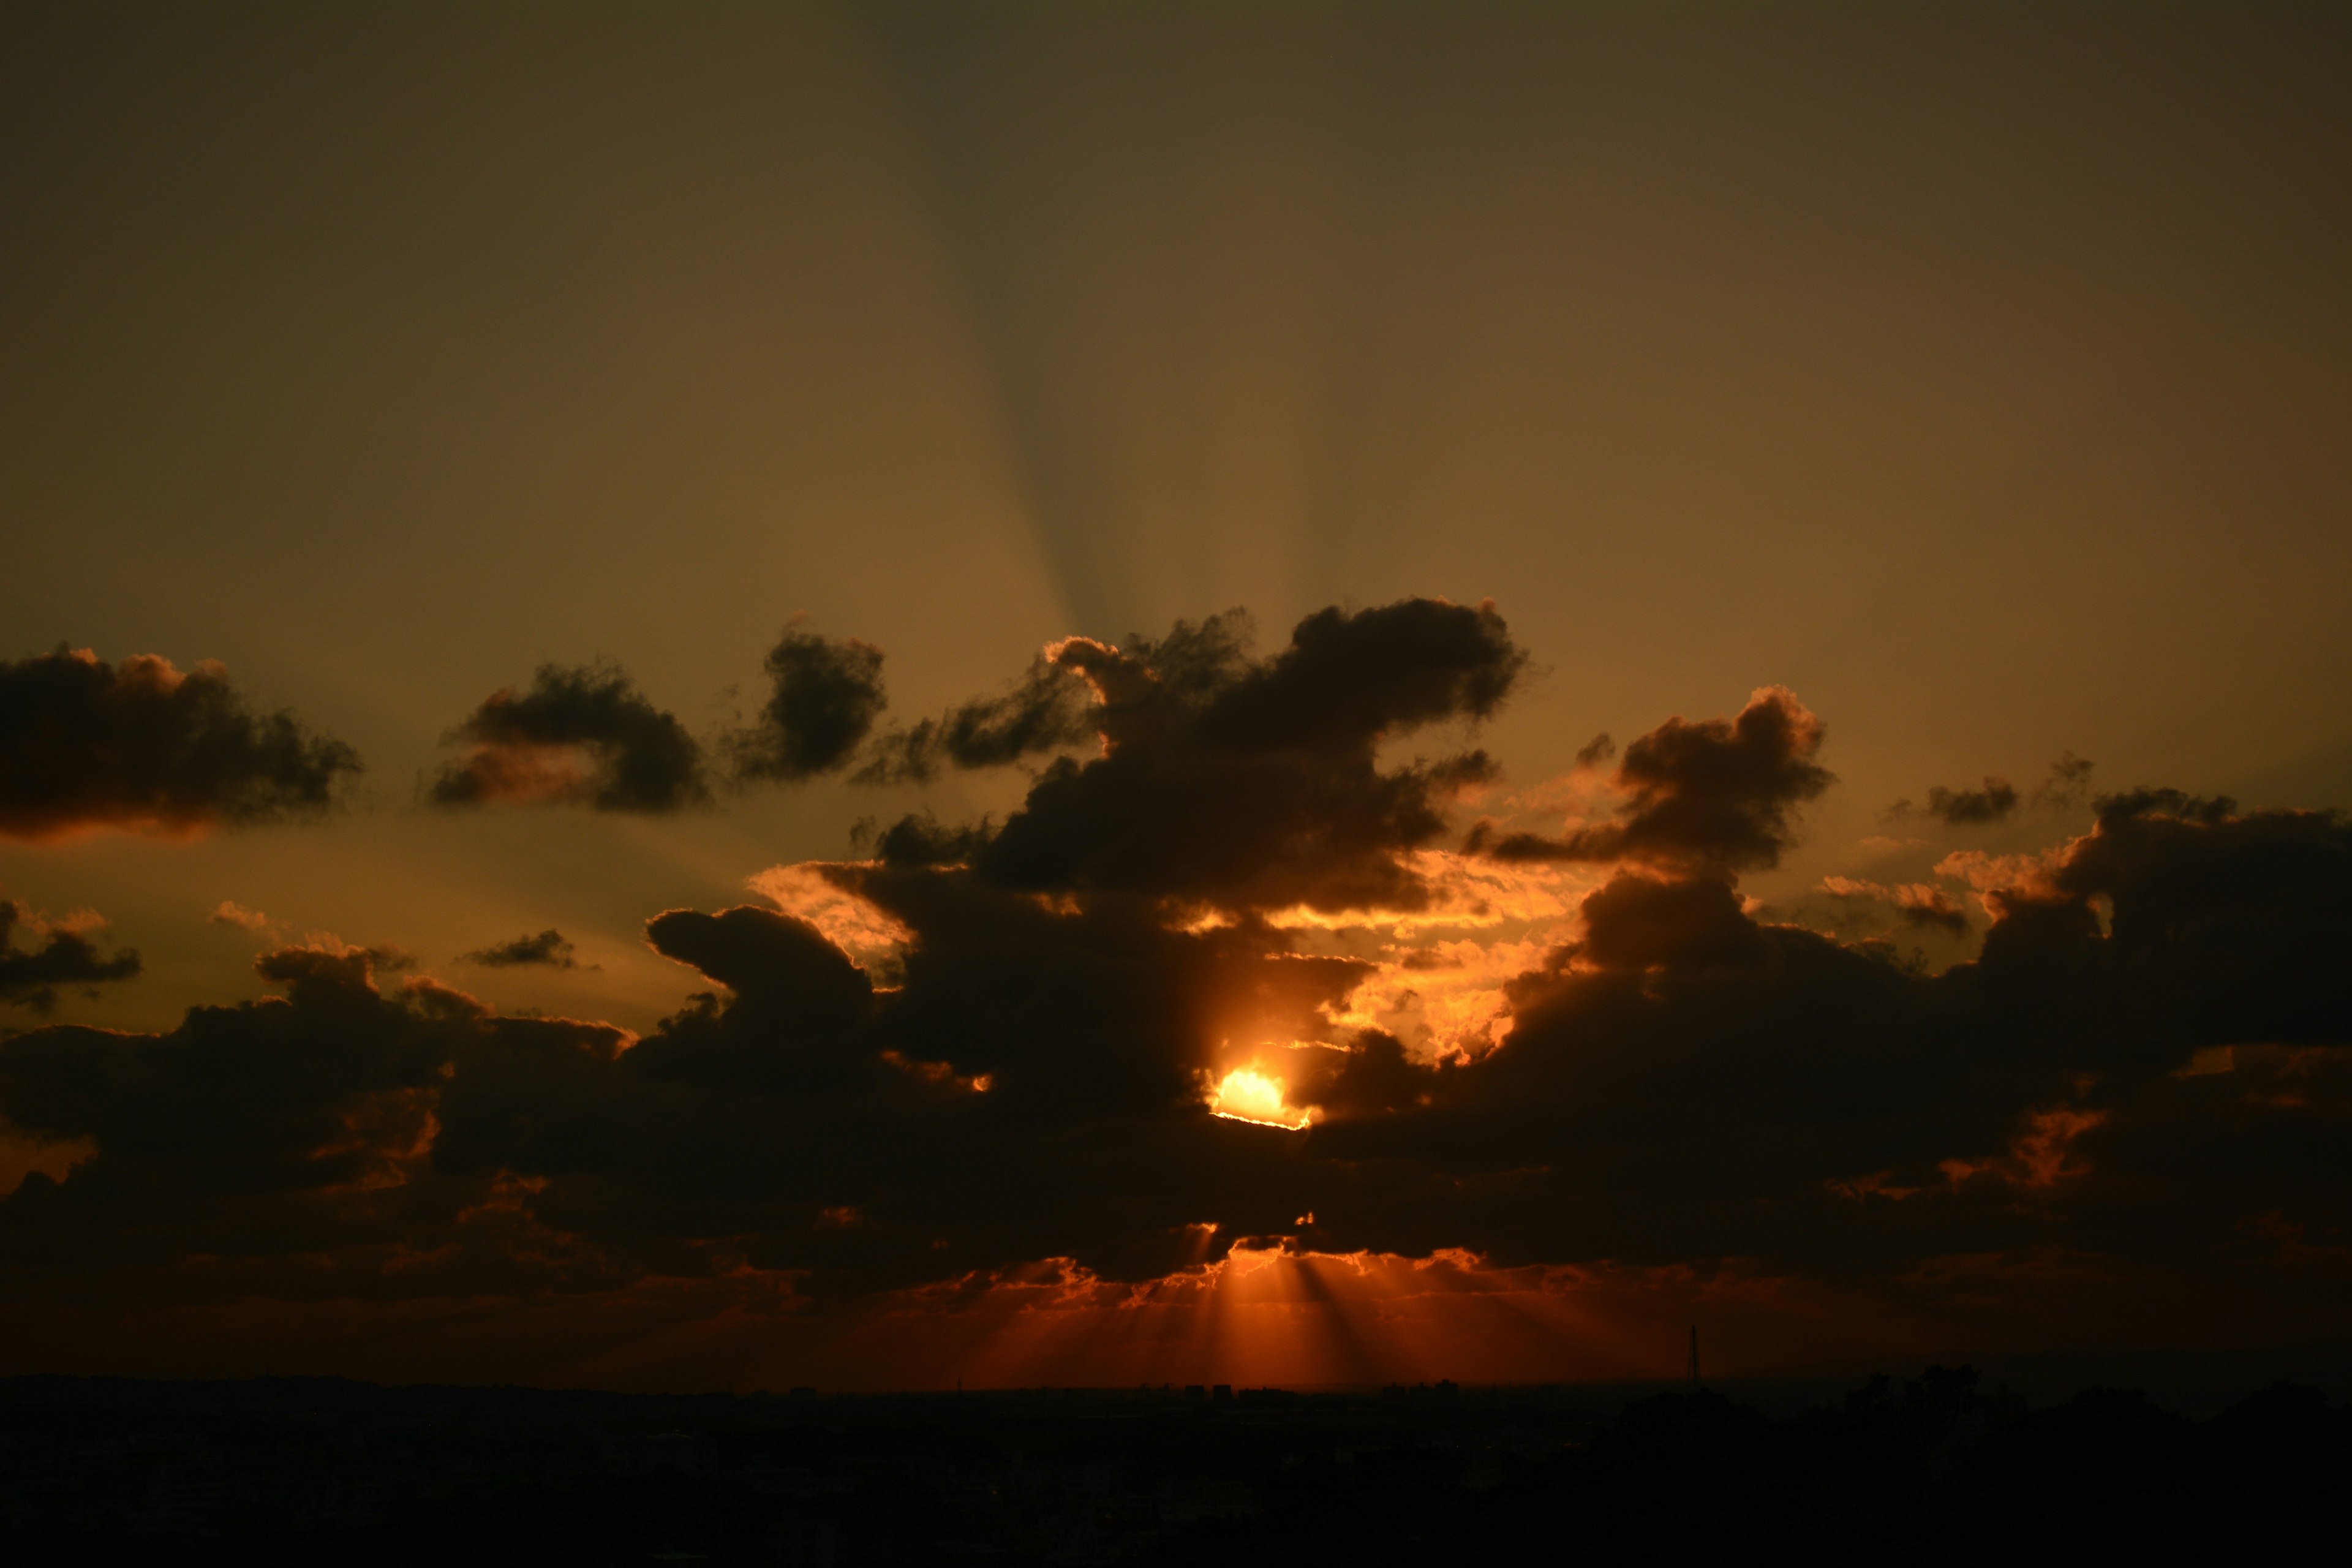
[[1634, 924], [1716, 795], [1596, 750], [1968, 807], [548, 949], [1047, 710], [2067, 786], [2239, 927], [583, 736], [824, 697], [1256, 782], [921, 840], [29, 977], [84, 743]]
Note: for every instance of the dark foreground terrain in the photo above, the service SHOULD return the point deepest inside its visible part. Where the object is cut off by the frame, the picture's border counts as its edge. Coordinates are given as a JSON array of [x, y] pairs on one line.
[[1937, 1469]]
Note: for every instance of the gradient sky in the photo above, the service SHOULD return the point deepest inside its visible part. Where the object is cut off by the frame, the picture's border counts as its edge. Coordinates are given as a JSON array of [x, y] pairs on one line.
[[1981, 375]]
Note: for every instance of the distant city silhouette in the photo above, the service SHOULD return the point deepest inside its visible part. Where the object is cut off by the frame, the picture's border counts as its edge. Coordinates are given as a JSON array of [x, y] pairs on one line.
[[1937, 1468]]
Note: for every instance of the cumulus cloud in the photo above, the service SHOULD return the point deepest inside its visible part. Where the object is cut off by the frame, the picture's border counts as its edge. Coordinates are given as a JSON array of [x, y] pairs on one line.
[[1718, 795], [824, 697], [229, 912], [928, 1073], [143, 746], [29, 977], [548, 949], [578, 736], [1246, 781]]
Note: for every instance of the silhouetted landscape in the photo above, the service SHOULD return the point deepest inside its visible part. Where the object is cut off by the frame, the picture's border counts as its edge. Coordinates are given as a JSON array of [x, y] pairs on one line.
[[1939, 1468]]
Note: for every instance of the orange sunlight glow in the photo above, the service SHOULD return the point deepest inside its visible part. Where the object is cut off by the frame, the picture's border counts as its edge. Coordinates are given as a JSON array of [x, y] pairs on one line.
[[1246, 1094], [1446, 999], [1992, 875], [1437, 973], [1465, 890], [875, 940], [1286, 1316]]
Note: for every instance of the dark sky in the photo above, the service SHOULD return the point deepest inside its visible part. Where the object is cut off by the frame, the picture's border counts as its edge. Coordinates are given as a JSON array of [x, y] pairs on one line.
[[735, 664]]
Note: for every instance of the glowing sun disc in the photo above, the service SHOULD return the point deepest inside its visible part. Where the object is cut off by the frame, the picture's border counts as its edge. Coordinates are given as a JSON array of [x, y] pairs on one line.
[[1245, 1094]]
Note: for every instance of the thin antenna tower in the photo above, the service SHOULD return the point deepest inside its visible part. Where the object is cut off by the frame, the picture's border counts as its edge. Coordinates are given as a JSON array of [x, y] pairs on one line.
[[1693, 1356]]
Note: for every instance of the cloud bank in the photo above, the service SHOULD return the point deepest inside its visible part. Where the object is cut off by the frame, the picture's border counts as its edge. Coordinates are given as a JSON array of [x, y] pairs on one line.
[[1218, 989]]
